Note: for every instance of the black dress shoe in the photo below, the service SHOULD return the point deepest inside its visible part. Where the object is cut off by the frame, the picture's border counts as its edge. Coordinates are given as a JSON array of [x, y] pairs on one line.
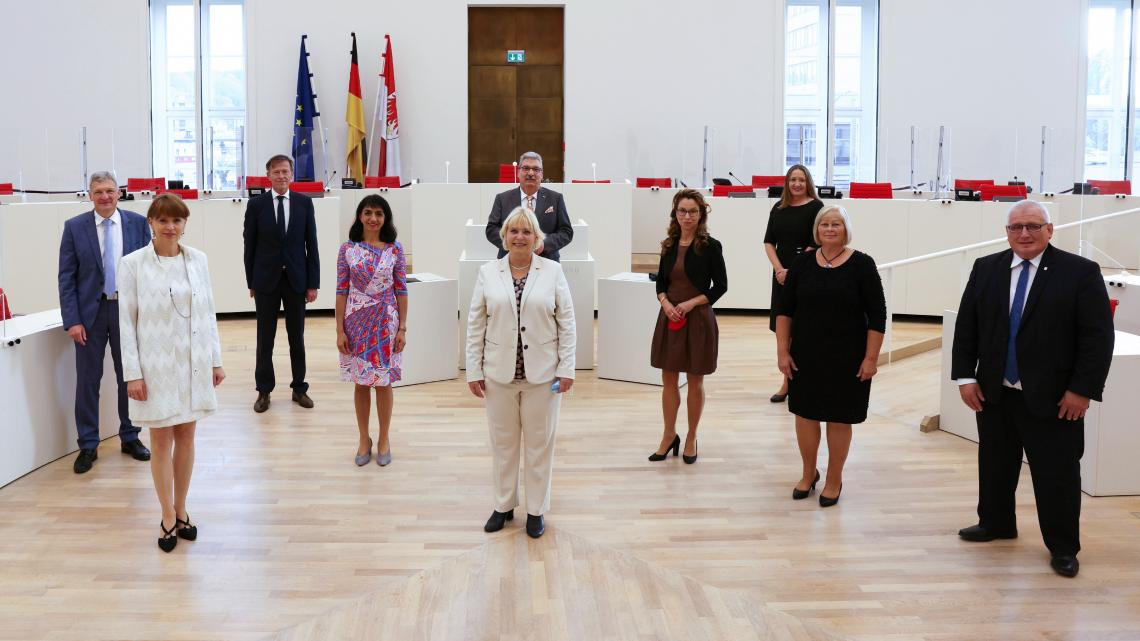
[[495, 523], [828, 501], [1065, 565], [675, 446], [778, 398], [185, 529], [84, 461], [979, 534], [798, 494], [168, 541], [534, 526], [302, 399], [136, 449], [691, 459], [262, 402]]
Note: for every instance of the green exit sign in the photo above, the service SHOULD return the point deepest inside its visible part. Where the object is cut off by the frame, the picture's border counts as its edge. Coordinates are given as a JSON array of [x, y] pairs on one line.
[[516, 56]]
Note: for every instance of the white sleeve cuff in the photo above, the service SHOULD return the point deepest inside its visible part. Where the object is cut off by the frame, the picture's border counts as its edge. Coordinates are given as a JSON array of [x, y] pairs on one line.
[[966, 381]]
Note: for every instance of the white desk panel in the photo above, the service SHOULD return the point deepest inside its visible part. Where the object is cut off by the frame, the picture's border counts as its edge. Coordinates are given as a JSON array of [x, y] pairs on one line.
[[441, 212], [937, 285], [606, 209], [29, 253], [881, 230], [1125, 288], [739, 224], [431, 334], [650, 218], [627, 316]]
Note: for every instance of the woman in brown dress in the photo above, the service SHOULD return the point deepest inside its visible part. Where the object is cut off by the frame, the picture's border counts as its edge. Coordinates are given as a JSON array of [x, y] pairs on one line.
[[690, 278]]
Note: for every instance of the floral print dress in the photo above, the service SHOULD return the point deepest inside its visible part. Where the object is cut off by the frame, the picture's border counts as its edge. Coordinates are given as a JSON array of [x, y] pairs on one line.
[[371, 278]]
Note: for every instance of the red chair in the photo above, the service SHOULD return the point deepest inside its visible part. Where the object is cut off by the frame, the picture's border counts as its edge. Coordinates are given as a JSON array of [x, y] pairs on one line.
[[764, 182], [5, 313], [1112, 303], [871, 190], [720, 191], [254, 182], [135, 185], [655, 182], [590, 182], [973, 185], [1109, 187], [308, 187], [5, 189], [989, 192], [185, 194], [507, 173], [376, 182]]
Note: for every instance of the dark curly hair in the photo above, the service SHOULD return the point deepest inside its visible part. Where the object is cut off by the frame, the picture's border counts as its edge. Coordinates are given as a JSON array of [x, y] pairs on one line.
[[673, 235], [387, 230]]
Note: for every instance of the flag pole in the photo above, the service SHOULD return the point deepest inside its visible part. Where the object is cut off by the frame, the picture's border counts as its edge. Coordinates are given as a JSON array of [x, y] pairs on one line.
[[317, 117], [372, 126]]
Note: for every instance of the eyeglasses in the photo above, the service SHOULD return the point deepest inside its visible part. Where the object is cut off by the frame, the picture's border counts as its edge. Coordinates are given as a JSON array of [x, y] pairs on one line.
[[1032, 228], [688, 213], [526, 170]]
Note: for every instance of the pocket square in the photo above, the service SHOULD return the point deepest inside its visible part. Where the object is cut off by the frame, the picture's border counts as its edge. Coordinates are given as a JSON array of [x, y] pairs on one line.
[[549, 210]]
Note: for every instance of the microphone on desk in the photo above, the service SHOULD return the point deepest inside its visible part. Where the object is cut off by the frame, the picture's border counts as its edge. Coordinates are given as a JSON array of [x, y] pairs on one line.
[[682, 183], [737, 179]]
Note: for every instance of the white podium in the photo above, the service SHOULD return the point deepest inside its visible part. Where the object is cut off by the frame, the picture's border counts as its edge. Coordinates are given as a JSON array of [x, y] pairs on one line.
[[1125, 288], [1108, 467], [431, 330], [627, 316], [37, 394], [577, 264]]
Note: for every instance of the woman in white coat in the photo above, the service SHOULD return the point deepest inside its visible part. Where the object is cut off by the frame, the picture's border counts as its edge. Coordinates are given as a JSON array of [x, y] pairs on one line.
[[172, 359], [520, 343]]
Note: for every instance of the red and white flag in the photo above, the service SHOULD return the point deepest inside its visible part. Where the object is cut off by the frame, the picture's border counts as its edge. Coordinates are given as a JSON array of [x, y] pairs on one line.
[[386, 119]]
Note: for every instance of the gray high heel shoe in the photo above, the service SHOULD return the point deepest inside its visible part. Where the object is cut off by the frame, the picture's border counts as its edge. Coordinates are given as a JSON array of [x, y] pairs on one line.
[[362, 459], [385, 458]]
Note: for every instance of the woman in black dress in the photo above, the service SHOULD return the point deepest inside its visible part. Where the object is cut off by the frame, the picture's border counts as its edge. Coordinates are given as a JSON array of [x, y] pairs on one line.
[[830, 326], [789, 234], [690, 278]]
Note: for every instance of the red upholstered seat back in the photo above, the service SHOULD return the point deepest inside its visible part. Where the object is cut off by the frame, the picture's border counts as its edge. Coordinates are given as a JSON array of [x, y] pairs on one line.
[[135, 185], [871, 190], [724, 190], [5, 189], [1113, 186], [185, 194], [655, 182], [308, 187], [5, 313], [971, 184], [507, 173], [374, 182], [590, 182], [767, 181], [989, 192], [253, 182]]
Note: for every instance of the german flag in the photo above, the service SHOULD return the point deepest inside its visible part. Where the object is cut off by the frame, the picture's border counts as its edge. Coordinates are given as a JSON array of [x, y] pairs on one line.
[[357, 155]]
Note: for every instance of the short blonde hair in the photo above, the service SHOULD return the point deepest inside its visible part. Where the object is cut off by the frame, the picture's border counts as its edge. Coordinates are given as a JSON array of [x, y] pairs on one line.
[[833, 209], [524, 218]]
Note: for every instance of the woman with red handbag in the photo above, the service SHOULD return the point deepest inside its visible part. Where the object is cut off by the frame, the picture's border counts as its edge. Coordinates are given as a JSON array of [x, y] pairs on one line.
[[690, 278]]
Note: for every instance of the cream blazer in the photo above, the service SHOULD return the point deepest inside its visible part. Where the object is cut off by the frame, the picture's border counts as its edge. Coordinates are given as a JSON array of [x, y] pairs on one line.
[[547, 326], [147, 323]]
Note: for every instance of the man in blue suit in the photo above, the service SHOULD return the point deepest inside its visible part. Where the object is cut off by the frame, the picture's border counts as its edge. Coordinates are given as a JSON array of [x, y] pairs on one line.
[[89, 254], [282, 268]]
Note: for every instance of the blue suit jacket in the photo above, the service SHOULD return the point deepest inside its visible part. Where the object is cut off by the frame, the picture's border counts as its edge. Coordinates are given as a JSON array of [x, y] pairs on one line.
[[81, 264], [266, 253]]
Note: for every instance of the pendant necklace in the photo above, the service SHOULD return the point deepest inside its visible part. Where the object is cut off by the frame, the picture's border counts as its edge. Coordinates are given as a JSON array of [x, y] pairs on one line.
[[828, 260]]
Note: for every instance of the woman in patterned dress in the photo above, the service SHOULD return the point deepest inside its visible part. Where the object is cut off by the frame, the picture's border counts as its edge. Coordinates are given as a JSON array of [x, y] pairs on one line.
[[371, 318]]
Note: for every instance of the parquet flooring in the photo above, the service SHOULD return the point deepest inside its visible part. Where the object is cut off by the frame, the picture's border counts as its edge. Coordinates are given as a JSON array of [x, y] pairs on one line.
[[295, 539]]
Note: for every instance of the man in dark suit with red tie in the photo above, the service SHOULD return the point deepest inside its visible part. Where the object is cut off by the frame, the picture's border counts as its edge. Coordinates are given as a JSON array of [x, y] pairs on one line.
[[1032, 345], [89, 252], [282, 268], [548, 207]]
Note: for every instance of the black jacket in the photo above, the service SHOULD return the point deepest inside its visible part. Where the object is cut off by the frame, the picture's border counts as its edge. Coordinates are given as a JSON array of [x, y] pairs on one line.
[[705, 269], [267, 253], [1065, 338]]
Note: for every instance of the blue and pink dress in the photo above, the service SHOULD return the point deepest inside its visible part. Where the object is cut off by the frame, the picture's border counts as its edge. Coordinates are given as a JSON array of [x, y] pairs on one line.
[[371, 278]]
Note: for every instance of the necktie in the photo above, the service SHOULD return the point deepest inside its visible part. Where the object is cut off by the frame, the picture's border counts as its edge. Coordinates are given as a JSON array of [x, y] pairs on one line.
[[530, 203], [108, 257], [281, 215], [1011, 373]]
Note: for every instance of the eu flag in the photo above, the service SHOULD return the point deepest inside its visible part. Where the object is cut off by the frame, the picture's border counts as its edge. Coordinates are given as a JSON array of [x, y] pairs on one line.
[[303, 115]]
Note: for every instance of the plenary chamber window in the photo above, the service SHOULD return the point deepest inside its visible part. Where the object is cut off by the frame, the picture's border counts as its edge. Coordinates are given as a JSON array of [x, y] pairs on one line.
[[831, 74], [198, 91], [1112, 81]]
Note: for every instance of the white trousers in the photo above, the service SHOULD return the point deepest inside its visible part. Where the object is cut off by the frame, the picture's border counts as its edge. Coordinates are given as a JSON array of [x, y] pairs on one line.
[[518, 414]]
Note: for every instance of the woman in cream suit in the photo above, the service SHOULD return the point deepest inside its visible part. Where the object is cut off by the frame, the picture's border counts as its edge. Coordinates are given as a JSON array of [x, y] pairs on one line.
[[171, 356], [520, 357]]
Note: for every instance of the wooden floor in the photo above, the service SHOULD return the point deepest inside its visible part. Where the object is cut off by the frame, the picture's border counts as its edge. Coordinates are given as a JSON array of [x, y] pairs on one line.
[[298, 543]]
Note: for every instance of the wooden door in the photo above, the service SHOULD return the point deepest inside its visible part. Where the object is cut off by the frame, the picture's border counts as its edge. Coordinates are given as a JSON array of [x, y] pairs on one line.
[[514, 108]]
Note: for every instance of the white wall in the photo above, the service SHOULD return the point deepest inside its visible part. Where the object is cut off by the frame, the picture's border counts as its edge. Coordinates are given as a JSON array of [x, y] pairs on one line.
[[65, 64], [642, 79], [994, 73]]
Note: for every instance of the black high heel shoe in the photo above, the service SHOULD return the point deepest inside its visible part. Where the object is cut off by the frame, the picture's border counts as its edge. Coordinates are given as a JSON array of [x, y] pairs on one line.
[[188, 531], [825, 501], [798, 494], [691, 459], [168, 540], [675, 446]]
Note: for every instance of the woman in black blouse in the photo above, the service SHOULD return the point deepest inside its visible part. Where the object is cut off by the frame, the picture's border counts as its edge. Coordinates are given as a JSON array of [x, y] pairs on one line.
[[690, 278], [789, 234], [830, 325]]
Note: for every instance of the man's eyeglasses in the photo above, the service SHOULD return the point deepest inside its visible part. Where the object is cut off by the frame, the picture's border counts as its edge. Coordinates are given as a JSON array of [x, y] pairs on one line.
[[527, 170], [1032, 228], [688, 213]]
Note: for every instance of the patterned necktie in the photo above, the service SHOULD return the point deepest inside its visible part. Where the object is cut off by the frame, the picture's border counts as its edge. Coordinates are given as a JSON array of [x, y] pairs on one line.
[[1011, 373], [530, 203], [281, 215], [108, 257]]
